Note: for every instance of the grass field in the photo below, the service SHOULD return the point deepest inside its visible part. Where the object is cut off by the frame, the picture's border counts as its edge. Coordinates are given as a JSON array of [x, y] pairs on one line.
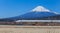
[[29, 29]]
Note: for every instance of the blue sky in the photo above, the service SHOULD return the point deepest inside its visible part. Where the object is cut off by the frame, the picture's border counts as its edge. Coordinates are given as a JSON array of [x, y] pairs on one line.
[[11, 8]]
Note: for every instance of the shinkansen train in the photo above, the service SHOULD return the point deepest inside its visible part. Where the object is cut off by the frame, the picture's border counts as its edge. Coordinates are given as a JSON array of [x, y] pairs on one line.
[[33, 22], [37, 21]]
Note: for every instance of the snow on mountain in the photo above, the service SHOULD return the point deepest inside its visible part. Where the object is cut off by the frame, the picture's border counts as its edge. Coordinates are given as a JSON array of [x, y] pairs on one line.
[[40, 9]]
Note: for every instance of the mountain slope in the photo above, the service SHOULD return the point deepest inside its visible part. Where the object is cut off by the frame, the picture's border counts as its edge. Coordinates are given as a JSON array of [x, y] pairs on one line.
[[36, 15]]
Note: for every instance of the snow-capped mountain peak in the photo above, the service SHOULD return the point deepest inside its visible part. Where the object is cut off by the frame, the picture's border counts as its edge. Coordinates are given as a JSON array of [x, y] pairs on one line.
[[40, 9]]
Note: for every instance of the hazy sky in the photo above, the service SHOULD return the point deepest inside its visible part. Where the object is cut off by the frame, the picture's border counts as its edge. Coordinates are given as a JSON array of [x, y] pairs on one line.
[[11, 8]]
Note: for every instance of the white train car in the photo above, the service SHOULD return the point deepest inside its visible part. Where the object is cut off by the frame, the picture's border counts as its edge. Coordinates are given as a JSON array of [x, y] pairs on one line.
[[37, 21]]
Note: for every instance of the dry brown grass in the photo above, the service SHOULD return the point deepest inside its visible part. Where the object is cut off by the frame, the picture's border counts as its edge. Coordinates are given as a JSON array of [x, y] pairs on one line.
[[29, 29]]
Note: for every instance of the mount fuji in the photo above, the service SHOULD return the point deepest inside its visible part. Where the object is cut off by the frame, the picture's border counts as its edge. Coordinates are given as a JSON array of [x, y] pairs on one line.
[[35, 14]]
